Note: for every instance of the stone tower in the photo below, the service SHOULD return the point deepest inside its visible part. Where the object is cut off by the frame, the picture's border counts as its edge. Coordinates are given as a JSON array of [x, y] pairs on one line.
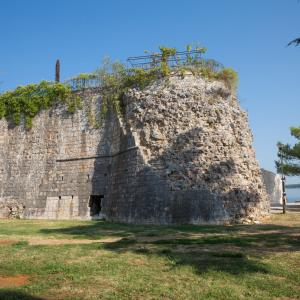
[[181, 152]]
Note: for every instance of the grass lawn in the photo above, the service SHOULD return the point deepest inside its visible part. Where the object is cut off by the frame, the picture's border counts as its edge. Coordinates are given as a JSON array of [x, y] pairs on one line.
[[101, 260]]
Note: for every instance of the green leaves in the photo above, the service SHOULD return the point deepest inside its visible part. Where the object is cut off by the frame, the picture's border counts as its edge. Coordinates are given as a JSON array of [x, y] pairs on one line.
[[295, 42], [29, 100], [295, 131], [289, 156], [229, 76]]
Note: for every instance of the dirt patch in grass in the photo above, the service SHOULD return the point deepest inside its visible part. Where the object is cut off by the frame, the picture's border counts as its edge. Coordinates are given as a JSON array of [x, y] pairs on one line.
[[42, 241], [6, 242], [13, 281]]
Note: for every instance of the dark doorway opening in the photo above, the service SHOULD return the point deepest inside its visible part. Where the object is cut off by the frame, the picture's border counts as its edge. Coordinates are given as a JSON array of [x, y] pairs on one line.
[[95, 204]]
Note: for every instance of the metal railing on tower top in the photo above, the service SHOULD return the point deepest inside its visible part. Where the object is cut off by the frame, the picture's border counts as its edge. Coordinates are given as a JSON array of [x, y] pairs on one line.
[[151, 61]]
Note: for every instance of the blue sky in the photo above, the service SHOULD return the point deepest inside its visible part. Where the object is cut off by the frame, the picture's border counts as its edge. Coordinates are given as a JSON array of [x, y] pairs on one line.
[[249, 36]]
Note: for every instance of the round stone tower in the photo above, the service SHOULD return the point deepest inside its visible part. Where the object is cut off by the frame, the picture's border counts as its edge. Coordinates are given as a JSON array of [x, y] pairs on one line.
[[194, 161]]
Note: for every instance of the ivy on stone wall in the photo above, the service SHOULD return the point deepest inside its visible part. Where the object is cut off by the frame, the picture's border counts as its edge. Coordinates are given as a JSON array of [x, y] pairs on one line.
[[27, 101]]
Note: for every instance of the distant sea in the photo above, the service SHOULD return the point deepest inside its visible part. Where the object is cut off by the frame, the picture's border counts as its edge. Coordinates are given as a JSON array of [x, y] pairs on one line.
[[293, 195]]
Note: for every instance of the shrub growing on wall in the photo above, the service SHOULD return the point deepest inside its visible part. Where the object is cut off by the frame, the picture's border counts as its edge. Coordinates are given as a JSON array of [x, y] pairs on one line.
[[29, 100]]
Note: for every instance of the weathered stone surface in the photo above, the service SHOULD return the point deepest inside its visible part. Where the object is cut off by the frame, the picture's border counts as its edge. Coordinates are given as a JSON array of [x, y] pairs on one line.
[[11, 209], [195, 140], [273, 186], [181, 153]]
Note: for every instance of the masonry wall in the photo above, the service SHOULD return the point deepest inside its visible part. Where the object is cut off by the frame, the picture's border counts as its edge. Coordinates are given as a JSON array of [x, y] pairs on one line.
[[273, 186], [180, 153], [48, 172]]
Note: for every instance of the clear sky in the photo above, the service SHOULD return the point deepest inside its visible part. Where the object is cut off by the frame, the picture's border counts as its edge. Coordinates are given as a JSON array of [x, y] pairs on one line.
[[249, 36]]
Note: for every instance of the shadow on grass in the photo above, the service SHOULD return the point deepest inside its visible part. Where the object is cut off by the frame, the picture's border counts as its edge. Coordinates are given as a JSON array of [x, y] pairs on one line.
[[102, 228], [232, 249], [202, 260], [99, 229], [228, 262], [8, 294], [96, 230]]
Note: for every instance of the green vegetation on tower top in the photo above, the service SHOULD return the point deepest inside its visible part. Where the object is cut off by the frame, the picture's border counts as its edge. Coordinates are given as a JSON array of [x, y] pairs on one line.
[[161, 65], [114, 79]]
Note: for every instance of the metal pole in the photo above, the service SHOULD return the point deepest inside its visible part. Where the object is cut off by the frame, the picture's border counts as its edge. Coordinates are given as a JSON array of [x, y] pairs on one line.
[[283, 182], [283, 196], [57, 71]]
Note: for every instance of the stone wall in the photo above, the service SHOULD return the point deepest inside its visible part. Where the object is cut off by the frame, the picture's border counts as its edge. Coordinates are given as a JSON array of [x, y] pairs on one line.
[[273, 186], [196, 160], [180, 153], [50, 169]]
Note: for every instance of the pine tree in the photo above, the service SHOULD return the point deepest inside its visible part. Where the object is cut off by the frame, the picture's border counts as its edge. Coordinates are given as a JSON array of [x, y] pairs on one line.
[[296, 42], [290, 155]]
